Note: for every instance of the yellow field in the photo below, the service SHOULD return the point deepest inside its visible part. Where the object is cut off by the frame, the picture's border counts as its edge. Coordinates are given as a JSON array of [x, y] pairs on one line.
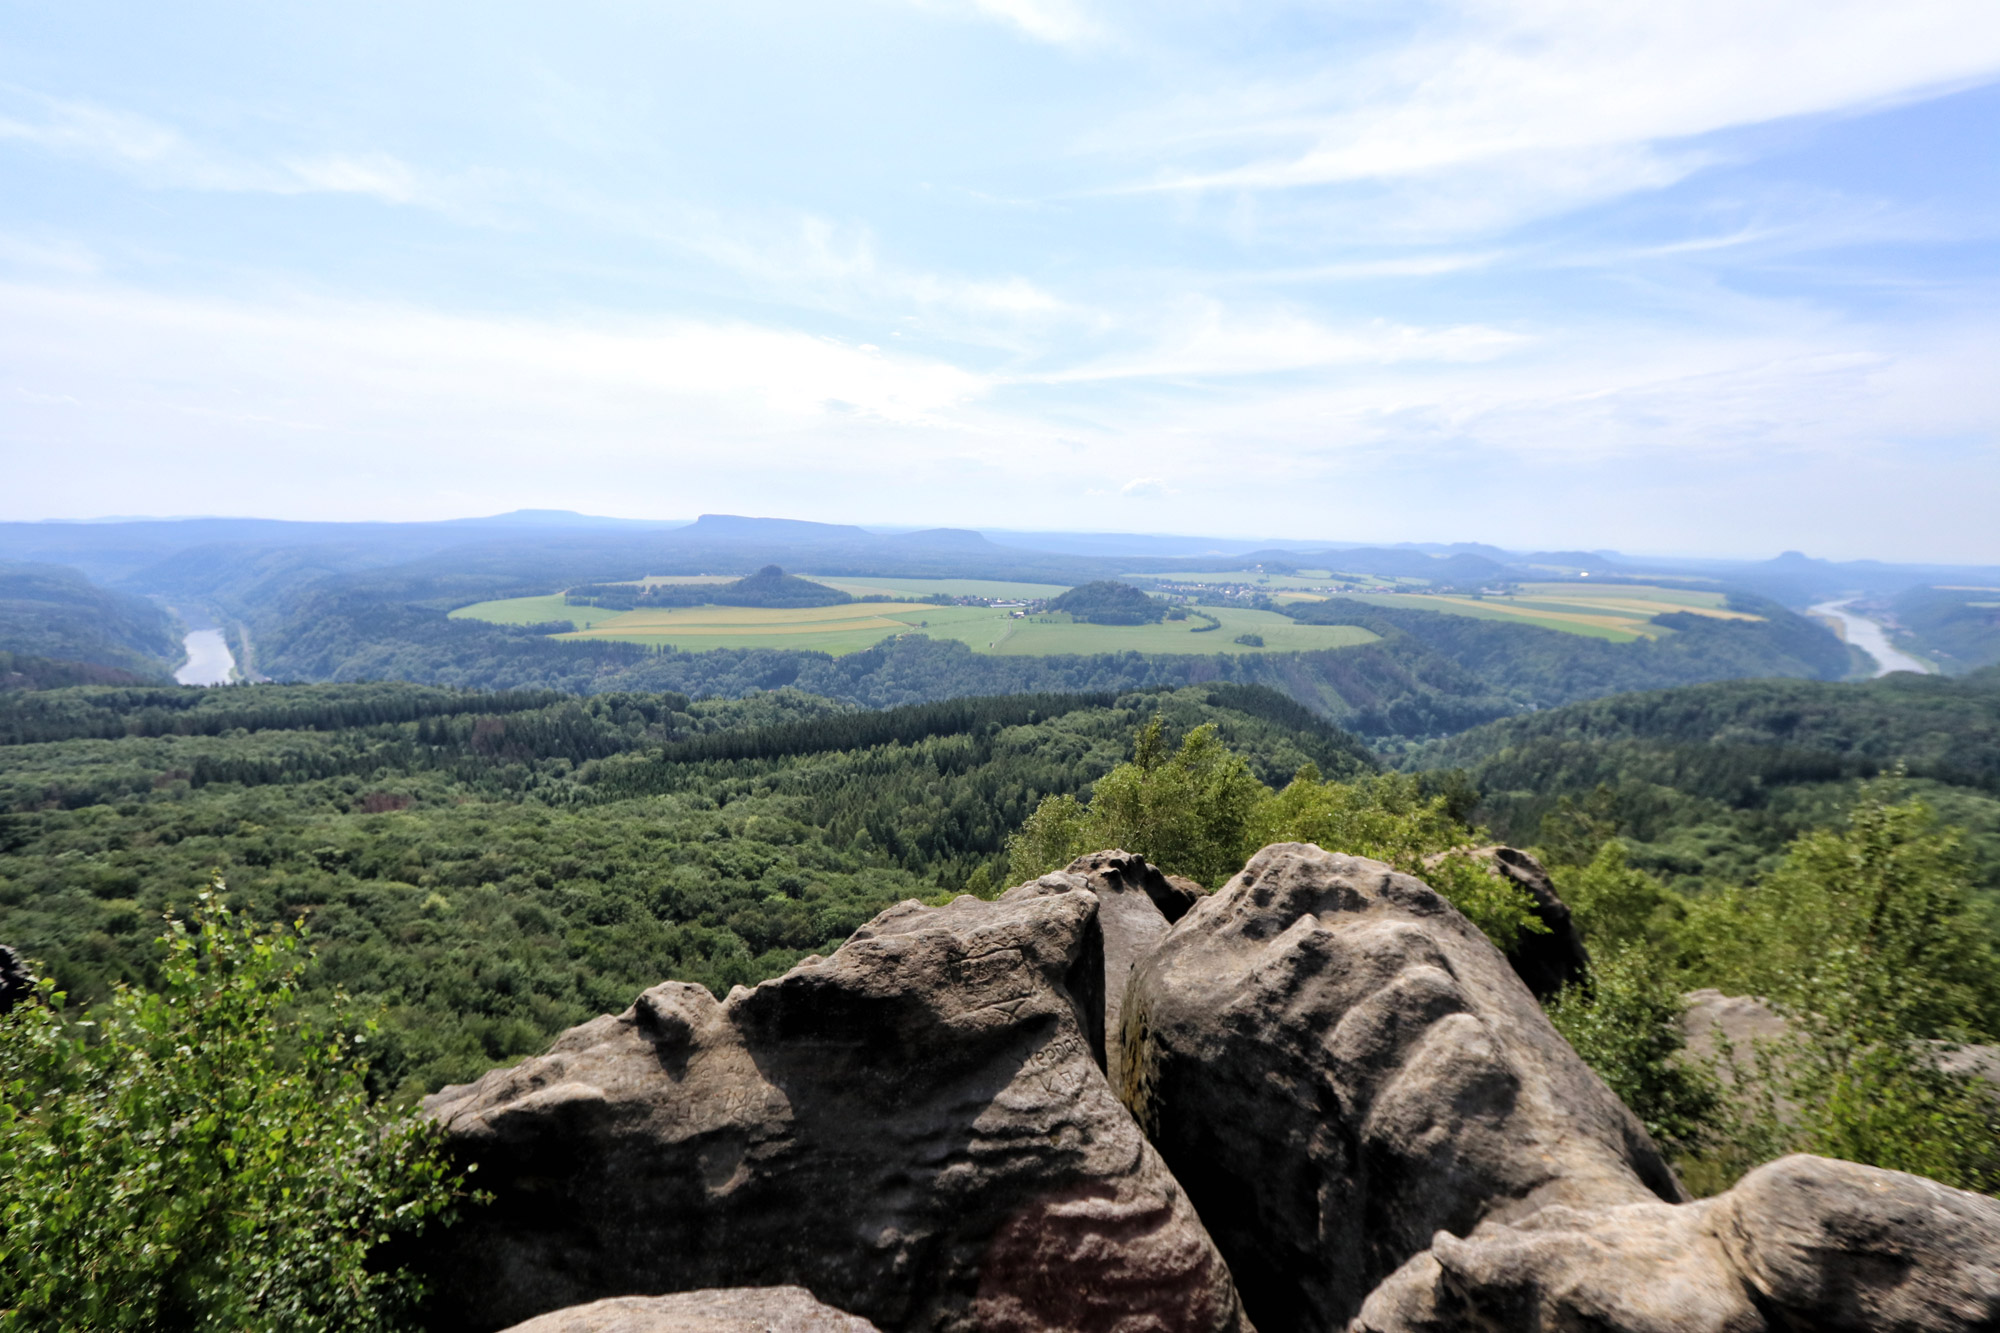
[[1619, 612], [695, 621], [859, 625]]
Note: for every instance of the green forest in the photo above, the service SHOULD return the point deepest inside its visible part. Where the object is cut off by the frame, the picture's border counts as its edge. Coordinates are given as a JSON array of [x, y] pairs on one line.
[[489, 869], [52, 612], [476, 871], [1709, 784]]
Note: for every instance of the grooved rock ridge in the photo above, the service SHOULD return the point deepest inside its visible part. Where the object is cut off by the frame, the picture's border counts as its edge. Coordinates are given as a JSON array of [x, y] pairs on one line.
[[1337, 1065], [916, 1129], [1368, 1121], [1802, 1243]]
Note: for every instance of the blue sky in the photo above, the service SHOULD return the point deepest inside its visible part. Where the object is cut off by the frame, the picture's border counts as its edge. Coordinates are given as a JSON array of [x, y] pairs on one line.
[[1716, 277]]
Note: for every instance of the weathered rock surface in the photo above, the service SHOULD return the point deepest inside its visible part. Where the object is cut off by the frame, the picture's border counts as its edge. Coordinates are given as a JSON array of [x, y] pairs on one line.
[[1179, 897], [1337, 1065], [731, 1310], [1803, 1243], [1839, 1247], [1550, 961], [1639, 1268], [916, 1129], [1129, 893]]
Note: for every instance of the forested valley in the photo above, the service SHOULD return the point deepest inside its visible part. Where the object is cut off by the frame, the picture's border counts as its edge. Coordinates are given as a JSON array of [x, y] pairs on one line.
[[491, 868], [1708, 784], [1427, 675]]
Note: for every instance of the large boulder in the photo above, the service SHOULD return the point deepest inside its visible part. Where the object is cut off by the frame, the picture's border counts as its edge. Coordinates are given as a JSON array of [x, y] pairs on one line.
[[1133, 898], [1554, 957], [916, 1129], [1855, 1249], [1800, 1243], [731, 1310], [1337, 1066]]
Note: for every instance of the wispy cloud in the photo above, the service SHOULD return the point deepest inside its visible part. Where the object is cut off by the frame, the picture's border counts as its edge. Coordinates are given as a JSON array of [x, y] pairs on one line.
[[1206, 339], [1540, 104], [1058, 22], [160, 155]]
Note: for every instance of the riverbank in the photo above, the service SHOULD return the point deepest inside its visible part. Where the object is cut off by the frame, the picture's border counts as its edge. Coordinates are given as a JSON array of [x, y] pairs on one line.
[[1871, 638], [209, 660]]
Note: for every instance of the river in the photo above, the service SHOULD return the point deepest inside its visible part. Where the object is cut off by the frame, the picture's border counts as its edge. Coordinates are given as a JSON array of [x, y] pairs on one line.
[[209, 662], [1870, 638]]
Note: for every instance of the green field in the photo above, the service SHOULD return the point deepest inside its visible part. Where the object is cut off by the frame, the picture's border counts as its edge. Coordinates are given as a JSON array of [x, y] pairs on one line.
[[534, 611], [858, 625], [1041, 636], [1614, 611]]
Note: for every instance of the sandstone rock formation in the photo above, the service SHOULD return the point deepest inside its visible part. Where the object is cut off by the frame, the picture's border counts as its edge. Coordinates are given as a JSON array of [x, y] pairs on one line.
[[1178, 897], [916, 1129], [1130, 896], [1741, 1024], [1550, 961], [1337, 1065], [17, 979], [732, 1310], [1800, 1243]]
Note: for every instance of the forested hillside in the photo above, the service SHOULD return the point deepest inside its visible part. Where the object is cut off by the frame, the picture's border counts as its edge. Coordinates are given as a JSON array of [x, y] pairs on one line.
[[1707, 784], [1958, 626], [50, 611], [1432, 675], [492, 868]]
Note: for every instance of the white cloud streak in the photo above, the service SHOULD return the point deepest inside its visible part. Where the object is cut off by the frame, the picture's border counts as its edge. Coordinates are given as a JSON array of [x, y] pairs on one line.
[[1056, 22], [1503, 109], [161, 156]]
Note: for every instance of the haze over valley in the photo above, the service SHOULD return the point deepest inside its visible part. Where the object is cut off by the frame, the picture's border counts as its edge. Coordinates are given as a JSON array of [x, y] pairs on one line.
[[1000, 666]]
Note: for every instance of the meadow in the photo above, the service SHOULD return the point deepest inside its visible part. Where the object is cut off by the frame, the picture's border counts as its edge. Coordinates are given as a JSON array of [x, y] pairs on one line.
[[858, 625], [1620, 613]]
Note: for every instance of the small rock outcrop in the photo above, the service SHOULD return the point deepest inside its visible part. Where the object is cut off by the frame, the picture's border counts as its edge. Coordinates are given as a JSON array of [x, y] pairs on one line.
[[1546, 962], [731, 1310], [1337, 1065], [1739, 1024], [1130, 894], [916, 1129], [1800, 1243], [17, 979]]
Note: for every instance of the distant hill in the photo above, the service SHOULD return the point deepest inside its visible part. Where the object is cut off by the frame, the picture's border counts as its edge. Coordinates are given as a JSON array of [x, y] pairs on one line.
[[1960, 626], [1108, 602], [769, 586], [50, 611]]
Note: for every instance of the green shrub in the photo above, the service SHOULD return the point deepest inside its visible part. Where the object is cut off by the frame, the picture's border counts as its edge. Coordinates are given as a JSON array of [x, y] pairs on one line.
[[1626, 1024], [1199, 811], [202, 1156], [1864, 938]]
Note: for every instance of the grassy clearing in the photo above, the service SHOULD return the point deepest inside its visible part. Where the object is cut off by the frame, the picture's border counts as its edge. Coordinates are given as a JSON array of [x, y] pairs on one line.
[[1618, 612], [533, 611], [850, 628]]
